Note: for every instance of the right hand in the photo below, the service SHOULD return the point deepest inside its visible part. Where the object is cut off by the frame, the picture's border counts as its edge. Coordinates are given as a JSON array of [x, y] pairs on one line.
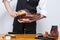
[[9, 9], [13, 14], [24, 21]]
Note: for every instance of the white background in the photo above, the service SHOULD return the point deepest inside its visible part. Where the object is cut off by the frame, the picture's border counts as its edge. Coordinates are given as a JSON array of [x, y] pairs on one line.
[[53, 17]]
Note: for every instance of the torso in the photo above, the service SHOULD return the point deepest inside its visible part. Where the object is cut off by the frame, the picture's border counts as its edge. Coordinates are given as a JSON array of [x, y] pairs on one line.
[[27, 4]]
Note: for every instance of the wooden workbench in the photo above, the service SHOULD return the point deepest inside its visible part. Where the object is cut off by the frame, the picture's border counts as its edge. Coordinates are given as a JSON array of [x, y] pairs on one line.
[[23, 37]]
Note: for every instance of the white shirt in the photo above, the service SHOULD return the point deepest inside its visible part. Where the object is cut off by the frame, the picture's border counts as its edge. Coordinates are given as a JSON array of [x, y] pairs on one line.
[[41, 8]]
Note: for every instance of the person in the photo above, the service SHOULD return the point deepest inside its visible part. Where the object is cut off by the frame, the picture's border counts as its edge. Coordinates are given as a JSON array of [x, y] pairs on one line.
[[33, 6]]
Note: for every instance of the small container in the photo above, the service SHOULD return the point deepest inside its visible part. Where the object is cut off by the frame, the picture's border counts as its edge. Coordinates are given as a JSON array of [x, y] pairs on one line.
[[7, 37]]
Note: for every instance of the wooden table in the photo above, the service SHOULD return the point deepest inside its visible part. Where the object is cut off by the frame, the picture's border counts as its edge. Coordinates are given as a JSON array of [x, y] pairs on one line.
[[23, 37]]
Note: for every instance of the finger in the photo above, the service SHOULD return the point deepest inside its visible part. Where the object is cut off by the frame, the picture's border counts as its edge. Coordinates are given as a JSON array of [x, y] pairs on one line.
[[32, 20], [15, 15], [20, 21]]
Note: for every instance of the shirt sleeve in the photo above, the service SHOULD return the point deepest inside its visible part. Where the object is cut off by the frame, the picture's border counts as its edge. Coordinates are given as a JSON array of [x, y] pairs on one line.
[[41, 8]]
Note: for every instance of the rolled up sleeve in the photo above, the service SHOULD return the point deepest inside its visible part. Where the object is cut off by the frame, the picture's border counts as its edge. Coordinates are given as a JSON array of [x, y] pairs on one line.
[[41, 8]]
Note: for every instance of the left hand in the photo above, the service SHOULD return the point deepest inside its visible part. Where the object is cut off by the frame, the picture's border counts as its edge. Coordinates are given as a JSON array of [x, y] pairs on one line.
[[35, 17], [25, 20]]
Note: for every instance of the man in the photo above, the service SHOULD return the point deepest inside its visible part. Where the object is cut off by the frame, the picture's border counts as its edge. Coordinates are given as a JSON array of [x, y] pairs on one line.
[[33, 6]]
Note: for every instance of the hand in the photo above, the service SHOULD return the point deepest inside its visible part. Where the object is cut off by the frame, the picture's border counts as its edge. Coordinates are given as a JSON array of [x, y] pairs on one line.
[[29, 20], [25, 20], [13, 14], [32, 19], [40, 16], [9, 9]]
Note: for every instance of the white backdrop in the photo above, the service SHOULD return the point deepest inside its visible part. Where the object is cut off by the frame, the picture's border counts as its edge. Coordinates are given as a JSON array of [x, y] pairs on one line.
[[6, 20], [53, 17]]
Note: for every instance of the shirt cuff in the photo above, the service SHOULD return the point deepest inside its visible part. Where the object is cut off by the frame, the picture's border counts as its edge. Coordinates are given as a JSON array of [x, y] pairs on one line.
[[43, 12]]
